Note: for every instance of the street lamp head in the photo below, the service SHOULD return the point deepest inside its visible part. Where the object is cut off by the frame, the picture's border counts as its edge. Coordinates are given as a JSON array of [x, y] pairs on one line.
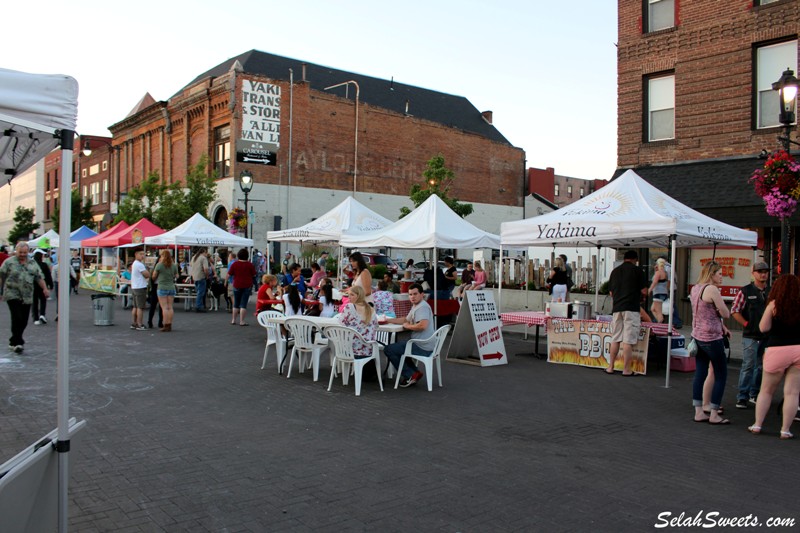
[[87, 151], [246, 181], [787, 95]]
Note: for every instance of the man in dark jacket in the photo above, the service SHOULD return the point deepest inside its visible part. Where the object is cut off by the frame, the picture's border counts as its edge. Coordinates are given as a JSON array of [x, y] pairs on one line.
[[627, 285], [749, 305]]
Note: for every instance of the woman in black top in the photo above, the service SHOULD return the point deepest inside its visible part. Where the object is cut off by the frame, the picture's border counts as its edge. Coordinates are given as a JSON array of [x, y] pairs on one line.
[[558, 281], [781, 320]]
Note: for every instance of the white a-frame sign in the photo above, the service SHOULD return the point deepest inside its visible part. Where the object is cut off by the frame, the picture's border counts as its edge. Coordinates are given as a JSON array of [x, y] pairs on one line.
[[478, 335]]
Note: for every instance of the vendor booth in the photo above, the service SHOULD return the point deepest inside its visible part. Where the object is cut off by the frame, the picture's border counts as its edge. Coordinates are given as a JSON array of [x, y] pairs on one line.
[[198, 231], [38, 113], [434, 225], [626, 213]]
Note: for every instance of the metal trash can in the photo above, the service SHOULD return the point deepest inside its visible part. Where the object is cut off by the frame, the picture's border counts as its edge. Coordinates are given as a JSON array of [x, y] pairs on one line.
[[103, 306]]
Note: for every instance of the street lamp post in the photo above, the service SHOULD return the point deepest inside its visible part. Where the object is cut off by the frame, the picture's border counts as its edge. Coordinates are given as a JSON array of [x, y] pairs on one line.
[[246, 184], [355, 150], [787, 99]]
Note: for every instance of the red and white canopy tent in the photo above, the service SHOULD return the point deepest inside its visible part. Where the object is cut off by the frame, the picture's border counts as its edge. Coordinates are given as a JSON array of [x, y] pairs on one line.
[[38, 113], [626, 213]]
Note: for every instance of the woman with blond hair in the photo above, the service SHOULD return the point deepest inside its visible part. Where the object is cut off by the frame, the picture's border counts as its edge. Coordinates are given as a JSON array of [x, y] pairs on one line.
[[660, 289], [165, 274], [478, 279], [781, 319], [360, 316], [708, 331], [268, 291]]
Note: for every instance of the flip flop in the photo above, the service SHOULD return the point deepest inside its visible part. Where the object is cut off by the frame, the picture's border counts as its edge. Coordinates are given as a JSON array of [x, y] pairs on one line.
[[723, 422], [609, 373], [628, 375]]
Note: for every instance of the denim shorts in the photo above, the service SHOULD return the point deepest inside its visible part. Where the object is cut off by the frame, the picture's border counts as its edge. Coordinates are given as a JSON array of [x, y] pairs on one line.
[[660, 297], [166, 292]]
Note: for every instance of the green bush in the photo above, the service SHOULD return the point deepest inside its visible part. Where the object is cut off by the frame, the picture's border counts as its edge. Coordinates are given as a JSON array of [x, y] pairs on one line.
[[378, 271]]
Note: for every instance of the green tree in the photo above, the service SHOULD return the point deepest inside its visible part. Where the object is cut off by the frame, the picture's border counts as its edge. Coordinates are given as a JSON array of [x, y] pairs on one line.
[[180, 203], [170, 206], [81, 215], [142, 200], [438, 180], [23, 225]]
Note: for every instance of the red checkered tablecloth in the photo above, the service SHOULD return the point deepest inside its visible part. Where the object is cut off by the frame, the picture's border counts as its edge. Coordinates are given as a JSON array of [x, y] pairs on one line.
[[529, 318], [537, 318], [402, 307]]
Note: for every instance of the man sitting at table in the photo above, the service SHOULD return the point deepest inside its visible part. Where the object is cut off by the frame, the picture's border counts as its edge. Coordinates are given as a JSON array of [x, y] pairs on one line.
[[419, 322], [295, 277]]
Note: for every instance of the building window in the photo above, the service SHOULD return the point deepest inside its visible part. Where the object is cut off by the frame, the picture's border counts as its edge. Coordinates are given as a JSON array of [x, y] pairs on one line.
[[55, 180], [661, 108], [771, 61], [660, 14], [222, 151], [83, 172], [569, 191], [48, 181], [95, 193], [105, 166], [582, 192], [556, 190], [85, 194], [105, 191], [763, 2]]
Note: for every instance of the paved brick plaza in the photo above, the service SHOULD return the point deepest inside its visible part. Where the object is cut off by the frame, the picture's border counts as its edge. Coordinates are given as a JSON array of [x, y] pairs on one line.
[[187, 433]]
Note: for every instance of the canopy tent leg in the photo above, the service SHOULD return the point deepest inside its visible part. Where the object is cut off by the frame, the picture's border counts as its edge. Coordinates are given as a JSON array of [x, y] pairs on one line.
[[62, 444], [597, 280], [500, 283], [672, 239], [435, 267]]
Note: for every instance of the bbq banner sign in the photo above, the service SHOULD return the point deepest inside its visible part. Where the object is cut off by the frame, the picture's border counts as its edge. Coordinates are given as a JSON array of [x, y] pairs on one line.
[[478, 337], [260, 134], [588, 343]]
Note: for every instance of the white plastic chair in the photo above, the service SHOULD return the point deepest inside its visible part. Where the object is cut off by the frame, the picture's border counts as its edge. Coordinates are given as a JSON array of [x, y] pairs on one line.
[[303, 332], [342, 339], [274, 337], [427, 360], [384, 337]]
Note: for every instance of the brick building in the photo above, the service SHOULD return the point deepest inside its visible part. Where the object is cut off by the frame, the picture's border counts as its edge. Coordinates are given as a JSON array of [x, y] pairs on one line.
[[560, 190], [92, 175], [695, 100], [272, 116]]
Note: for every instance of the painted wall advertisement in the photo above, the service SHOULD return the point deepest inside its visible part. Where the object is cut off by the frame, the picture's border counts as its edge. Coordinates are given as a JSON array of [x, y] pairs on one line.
[[260, 135], [588, 343], [737, 268]]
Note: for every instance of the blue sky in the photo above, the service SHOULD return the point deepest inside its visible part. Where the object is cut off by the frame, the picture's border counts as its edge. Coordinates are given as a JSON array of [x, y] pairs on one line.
[[546, 69]]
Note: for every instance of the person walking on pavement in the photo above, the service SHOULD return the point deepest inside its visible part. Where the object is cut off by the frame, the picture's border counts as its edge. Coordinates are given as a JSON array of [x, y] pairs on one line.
[[39, 308], [17, 278], [166, 272], [627, 286], [781, 319], [139, 277], [747, 309], [199, 273], [420, 322]]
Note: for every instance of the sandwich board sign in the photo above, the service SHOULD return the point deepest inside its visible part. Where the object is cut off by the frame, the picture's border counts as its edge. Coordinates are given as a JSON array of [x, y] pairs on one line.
[[478, 335]]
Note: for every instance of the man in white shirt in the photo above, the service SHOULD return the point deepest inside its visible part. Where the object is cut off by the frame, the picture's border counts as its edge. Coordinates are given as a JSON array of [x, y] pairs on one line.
[[420, 322], [139, 277]]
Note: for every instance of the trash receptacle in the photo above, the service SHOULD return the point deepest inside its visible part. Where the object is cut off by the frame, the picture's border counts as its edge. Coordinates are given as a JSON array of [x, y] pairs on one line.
[[103, 306]]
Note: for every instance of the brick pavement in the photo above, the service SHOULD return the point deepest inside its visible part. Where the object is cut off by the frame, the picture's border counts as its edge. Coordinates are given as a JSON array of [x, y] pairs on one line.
[[187, 433]]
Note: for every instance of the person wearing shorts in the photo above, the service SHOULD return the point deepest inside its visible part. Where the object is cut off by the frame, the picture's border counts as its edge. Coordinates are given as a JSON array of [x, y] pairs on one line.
[[627, 286], [139, 277]]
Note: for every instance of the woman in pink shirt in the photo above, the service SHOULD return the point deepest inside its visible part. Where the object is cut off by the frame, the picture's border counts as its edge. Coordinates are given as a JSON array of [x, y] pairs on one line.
[[479, 281], [708, 331]]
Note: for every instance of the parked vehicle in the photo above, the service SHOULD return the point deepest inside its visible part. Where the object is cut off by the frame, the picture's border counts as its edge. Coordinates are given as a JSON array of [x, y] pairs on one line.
[[380, 259]]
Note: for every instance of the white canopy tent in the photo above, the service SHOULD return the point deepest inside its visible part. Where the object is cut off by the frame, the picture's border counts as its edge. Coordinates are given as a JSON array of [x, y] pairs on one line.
[[349, 218], [50, 239], [37, 114], [198, 231], [431, 225], [629, 213]]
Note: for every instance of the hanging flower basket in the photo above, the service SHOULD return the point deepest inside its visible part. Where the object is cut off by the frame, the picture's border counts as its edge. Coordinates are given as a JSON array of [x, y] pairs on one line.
[[778, 184], [237, 220]]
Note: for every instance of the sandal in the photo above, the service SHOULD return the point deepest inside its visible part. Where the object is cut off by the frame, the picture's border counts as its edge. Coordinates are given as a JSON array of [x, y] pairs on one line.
[[755, 430], [785, 435], [723, 422], [244, 324]]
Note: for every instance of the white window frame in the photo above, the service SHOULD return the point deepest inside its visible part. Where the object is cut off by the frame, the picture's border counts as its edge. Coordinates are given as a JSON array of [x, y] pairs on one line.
[[661, 5], [771, 60], [556, 189], [222, 151], [95, 191], [105, 166], [660, 99], [105, 191]]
